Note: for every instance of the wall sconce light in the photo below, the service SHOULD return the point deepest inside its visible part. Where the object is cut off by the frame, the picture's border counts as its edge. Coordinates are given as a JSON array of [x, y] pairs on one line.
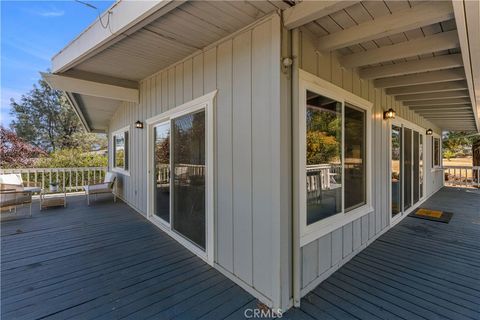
[[389, 114], [139, 124], [429, 132]]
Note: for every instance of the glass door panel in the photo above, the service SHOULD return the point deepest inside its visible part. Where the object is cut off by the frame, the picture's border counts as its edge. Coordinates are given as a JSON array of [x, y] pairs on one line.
[[396, 167], [407, 168], [162, 171], [421, 165], [189, 188], [416, 167]]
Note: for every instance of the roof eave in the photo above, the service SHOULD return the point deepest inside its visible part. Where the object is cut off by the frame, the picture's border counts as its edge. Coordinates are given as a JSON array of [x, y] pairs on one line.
[[125, 18]]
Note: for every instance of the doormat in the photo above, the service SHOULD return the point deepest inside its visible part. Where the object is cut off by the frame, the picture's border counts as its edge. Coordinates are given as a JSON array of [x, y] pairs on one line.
[[433, 215]]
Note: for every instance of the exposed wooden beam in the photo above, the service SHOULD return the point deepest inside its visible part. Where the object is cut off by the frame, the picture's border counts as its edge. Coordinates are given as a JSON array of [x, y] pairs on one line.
[[445, 111], [431, 64], [425, 88], [440, 107], [397, 22], [437, 42], [308, 11], [421, 78], [91, 88], [437, 102], [436, 106], [433, 95]]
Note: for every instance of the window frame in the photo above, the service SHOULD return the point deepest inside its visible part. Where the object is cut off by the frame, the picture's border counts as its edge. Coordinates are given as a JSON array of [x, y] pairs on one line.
[[206, 103], [127, 154], [310, 82], [439, 165]]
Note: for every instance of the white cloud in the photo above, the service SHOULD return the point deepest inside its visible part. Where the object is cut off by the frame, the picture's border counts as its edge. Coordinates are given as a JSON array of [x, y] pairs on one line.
[[51, 13]]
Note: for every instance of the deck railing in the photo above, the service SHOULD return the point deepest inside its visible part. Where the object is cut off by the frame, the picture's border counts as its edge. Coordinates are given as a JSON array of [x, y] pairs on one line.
[[71, 179], [462, 176]]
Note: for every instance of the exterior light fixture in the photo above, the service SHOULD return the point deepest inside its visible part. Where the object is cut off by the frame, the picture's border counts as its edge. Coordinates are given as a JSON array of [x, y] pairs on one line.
[[429, 132], [389, 114], [139, 124]]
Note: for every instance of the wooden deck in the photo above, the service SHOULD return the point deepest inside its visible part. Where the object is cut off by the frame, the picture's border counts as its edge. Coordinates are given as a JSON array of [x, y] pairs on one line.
[[106, 261], [418, 270]]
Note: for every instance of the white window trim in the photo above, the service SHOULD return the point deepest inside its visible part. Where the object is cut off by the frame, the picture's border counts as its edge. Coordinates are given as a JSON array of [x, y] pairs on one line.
[[309, 233], [112, 162], [207, 103], [440, 150]]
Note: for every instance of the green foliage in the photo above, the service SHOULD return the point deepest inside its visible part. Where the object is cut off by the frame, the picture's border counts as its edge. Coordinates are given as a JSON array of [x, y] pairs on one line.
[[321, 148], [323, 136], [448, 154], [44, 118], [455, 142], [71, 158]]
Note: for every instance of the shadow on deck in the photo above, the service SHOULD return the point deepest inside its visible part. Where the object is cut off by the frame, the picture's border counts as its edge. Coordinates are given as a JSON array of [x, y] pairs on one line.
[[106, 261]]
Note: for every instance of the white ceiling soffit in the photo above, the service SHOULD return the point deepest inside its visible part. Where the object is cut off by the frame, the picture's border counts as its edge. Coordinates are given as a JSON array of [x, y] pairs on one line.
[[411, 49], [91, 88], [125, 17], [95, 113], [174, 36]]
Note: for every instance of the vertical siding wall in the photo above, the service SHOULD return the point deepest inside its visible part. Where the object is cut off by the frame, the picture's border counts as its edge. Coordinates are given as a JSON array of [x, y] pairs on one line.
[[246, 148], [321, 257]]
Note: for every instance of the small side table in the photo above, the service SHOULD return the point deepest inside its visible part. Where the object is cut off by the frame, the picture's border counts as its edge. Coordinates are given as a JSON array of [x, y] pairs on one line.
[[52, 198]]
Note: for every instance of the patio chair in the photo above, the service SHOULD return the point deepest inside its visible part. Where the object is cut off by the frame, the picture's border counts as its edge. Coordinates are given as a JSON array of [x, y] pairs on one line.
[[13, 197], [108, 186], [13, 181]]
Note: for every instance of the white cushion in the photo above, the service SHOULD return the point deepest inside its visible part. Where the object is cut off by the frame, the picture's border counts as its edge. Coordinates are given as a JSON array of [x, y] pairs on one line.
[[97, 188], [11, 179]]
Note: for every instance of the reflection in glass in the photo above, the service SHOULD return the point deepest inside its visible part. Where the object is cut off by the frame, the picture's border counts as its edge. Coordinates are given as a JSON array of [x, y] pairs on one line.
[[355, 175], [189, 176], [162, 171], [421, 165], [407, 167], [436, 152], [416, 167], [324, 157], [396, 170], [120, 159]]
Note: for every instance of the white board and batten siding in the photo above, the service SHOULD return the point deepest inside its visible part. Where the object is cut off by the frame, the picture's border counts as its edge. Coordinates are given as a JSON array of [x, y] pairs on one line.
[[323, 256], [247, 148]]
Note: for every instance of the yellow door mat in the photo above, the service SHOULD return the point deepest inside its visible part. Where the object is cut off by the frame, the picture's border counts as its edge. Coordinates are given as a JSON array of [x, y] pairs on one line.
[[433, 215]]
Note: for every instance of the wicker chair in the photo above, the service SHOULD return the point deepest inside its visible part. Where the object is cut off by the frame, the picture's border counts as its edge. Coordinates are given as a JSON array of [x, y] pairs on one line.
[[107, 186], [13, 197]]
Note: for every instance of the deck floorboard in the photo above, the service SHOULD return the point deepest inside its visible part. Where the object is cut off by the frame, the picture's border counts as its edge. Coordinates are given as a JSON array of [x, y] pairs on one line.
[[108, 262]]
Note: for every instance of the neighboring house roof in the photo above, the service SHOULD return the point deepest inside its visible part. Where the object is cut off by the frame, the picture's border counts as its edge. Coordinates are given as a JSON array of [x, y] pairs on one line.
[[426, 55]]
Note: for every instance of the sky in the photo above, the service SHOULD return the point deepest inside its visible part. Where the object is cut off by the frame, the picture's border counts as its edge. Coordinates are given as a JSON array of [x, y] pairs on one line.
[[31, 33]]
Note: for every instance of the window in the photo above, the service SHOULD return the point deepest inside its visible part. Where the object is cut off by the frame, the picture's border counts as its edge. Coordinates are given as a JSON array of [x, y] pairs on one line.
[[436, 152], [355, 170], [120, 150], [333, 157]]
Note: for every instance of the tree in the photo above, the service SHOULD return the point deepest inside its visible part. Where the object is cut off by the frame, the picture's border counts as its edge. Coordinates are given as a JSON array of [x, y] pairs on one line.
[[15, 152], [45, 118], [454, 142]]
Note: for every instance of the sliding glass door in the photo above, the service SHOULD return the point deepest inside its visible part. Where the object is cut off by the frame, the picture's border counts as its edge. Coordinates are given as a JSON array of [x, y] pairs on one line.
[[161, 150], [396, 167], [188, 150], [406, 167], [179, 175]]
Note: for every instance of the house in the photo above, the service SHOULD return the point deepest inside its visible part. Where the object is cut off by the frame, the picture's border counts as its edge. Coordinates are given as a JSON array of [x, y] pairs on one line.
[[276, 139]]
